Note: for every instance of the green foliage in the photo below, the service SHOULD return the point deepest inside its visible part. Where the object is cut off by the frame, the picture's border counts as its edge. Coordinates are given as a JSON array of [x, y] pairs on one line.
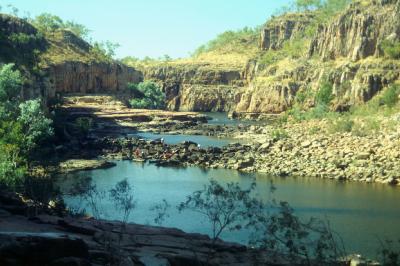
[[83, 125], [324, 95], [147, 95], [226, 207], [12, 159], [299, 242], [103, 51], [391, 49], [230, 41], [23, 126], [341, 125], [391, 96], [308, 4], [10, 83], [390, 253], [279, 133], [366, 127], [36, 126], [47, 23], [293, 49], [122, 196]]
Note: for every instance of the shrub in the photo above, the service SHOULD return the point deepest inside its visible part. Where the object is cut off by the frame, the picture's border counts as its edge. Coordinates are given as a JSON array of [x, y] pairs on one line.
[[391, 96], [342, 125], [227, 207], [324, 95], [46, 23], [365, 127], [10, 83], [37, 127], [147, 95], [279, 133], [83, 125], [391, 49]]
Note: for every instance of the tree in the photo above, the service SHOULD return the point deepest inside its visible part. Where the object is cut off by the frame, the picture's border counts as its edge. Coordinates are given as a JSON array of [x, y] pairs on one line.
[[147, 95], [104, 50], [226, 207], [122, 195], [12, 162], [78, 29], [10, 88], [37, 127], [308, 4], [48, 23], [285, 236], [324, 95]]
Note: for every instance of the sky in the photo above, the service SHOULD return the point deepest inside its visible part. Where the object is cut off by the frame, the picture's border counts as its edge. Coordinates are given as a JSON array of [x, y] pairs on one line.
[[155, 27]]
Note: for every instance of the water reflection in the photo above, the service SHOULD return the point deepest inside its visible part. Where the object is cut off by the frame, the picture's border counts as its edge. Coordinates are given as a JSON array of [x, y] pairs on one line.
[[359, 212]]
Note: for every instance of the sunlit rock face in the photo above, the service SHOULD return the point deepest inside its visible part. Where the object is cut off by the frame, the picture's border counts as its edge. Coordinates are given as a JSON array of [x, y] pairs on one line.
[[198, 87], [283, 28], [358, 32]]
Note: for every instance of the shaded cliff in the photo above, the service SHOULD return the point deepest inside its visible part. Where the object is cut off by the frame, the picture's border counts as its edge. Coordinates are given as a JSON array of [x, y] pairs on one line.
[[59, 61]]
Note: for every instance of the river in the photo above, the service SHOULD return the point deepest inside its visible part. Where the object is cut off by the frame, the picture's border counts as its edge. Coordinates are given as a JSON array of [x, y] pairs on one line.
[[361, 213]]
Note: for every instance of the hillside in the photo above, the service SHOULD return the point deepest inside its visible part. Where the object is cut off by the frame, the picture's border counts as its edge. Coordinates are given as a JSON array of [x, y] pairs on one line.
[[59, 61], [262, 70]]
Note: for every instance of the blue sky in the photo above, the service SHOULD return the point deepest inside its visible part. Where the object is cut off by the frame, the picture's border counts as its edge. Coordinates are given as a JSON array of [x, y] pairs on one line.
[[155, 27]]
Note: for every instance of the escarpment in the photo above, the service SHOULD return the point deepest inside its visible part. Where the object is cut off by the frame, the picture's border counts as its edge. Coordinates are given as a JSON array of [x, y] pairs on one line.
[[198, 87], [283, 28], [358, 32], [59, 62], [92, 77], [345, 51]]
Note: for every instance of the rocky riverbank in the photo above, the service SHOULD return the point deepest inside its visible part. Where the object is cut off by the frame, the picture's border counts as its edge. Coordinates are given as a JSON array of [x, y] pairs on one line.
[[40, 237], [290, 150], [308, 149]]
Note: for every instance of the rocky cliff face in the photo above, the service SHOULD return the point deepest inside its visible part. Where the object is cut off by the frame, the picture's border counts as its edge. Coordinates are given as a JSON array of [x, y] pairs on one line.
[[95, 77], [346, 52], [64, 60], [357, 33], [198, 87], [283, 28]]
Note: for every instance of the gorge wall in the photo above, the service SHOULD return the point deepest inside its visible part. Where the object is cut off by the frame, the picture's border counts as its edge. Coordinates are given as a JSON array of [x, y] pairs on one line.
[[59, 62], [92, 77], [344, 51], [198, 87]]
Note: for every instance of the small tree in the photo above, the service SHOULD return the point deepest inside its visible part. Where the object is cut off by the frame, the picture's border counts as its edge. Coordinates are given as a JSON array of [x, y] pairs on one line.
[[37, 127], [324, 95], [226, 207], [83, 125], [147, 95], [10, 88], [308, 4], [122, 195], [391, 96], [161, 210]]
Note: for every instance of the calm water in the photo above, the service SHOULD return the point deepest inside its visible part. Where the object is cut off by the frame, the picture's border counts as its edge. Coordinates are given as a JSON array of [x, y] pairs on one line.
[[204, 141], [359, 212], [221, 118]]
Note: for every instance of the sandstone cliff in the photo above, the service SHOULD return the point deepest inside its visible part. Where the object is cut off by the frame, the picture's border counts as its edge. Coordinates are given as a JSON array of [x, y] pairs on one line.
[[283, 28], [198, 87], [357, 32], [345, 51], [59, 62], [92, 77]]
